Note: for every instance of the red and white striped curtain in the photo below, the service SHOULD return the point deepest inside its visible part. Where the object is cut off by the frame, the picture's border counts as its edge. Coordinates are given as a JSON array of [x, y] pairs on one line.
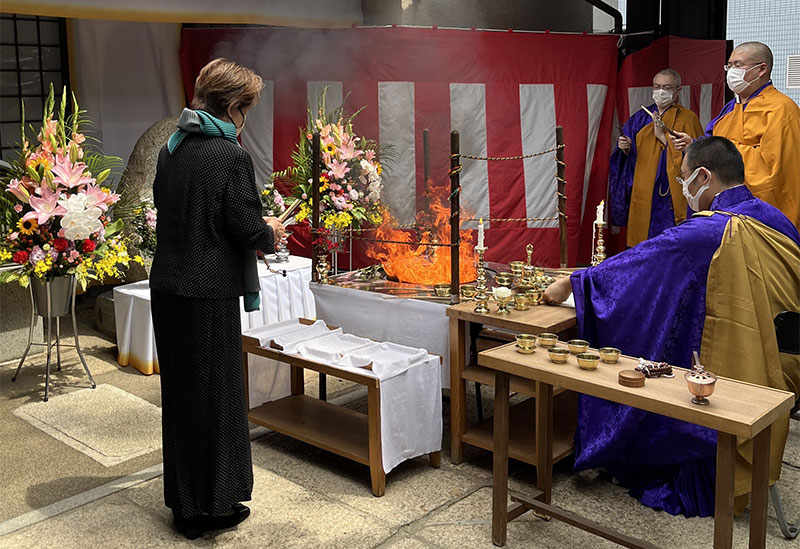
[[504, 92]]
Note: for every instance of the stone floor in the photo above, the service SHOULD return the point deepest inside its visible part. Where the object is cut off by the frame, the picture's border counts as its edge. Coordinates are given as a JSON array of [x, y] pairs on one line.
[[305, 497]]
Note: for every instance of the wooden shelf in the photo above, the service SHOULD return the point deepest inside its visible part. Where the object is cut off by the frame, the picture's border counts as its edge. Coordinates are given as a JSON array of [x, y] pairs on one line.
[[485, 376], [522, 433], [339, 430]]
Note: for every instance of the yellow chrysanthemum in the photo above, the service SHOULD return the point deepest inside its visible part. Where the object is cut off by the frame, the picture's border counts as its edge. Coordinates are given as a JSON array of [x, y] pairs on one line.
[[5, 255], [27, 226]]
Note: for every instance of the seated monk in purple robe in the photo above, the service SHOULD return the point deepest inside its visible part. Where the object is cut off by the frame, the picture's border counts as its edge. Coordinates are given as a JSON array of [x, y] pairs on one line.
[[712, 284]]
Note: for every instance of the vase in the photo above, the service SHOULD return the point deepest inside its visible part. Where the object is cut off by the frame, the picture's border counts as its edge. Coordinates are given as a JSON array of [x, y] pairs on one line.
[[61, 292]]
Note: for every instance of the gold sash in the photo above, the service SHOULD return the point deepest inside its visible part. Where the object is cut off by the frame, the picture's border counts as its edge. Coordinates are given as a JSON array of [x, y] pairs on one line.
[[753, 276]]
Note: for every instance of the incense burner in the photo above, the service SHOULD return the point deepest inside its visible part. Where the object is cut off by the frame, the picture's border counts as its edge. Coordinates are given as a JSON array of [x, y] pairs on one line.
[[701, 384]]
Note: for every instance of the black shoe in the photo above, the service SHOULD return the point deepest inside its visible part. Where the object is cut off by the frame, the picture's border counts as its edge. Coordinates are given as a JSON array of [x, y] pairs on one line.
[[191, 527], [235, 515]]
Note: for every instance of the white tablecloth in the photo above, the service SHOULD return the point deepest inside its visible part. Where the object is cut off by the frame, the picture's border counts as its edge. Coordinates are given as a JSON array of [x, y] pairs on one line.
[[282, 298], [411, 322], [411, 391]]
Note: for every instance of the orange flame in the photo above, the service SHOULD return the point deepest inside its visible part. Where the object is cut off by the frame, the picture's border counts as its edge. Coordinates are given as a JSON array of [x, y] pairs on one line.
[[423, 264]]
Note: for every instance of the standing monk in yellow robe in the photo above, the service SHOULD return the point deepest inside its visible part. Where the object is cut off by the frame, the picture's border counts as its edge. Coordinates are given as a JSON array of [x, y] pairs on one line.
[[643, 191], [764, 125]]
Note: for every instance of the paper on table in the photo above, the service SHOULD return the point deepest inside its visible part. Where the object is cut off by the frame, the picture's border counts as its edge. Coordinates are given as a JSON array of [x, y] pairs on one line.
[[569, 302], [289, 341], [330, 348], [265, 334], [388, 359]]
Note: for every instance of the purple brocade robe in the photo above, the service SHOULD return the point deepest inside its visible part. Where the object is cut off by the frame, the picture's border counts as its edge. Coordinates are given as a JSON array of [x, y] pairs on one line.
[[649, 301], [621, 170]]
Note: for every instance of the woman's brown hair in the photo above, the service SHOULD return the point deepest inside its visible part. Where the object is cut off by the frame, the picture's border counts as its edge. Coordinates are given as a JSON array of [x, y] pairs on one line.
[[222, 83]]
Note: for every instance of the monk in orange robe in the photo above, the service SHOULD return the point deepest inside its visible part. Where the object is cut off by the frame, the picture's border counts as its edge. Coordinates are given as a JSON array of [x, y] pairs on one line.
[[764, 125], [643, 191]]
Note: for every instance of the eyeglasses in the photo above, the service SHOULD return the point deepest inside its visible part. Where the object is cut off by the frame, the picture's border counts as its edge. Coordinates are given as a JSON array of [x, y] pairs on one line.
[[668, 88], [740, 65]]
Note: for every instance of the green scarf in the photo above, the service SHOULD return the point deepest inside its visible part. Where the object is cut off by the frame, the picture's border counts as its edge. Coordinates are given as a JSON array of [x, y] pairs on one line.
[[201, 122]]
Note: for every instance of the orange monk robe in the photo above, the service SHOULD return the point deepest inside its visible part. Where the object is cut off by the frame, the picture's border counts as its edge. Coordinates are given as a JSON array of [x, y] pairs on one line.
[[766, 130], [649, 150]]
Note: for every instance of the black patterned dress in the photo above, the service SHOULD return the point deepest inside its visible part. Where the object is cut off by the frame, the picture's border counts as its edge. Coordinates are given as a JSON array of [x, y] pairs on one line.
[[209, 220]]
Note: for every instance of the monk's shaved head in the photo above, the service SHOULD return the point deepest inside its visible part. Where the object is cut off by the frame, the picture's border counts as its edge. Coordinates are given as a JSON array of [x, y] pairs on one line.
[[756, 52]]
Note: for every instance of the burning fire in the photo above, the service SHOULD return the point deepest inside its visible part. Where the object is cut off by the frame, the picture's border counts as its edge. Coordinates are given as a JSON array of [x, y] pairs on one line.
[[423, 264]]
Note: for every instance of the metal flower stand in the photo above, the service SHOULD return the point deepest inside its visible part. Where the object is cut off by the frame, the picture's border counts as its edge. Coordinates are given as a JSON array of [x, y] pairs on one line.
[[52, 300]]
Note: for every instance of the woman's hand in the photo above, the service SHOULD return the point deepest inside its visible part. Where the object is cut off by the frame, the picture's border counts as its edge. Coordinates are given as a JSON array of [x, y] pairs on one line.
[[277, 228], [558, 291]]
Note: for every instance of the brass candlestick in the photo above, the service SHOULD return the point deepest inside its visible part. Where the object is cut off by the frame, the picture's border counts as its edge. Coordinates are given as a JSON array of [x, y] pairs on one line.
[[481, 297], [600, 250]]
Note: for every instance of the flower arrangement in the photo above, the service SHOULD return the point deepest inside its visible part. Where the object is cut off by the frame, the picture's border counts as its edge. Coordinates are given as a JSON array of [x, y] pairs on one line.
[[57, 215], [143, 223], [350, 178], [272, 202]]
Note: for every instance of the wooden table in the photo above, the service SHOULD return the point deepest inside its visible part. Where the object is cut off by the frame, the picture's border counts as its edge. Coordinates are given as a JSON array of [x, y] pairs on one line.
[[537, 319], [736, 409], [345, 432]]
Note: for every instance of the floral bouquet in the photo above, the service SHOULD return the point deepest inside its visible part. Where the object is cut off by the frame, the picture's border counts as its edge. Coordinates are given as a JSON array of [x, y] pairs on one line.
[[144, 227], [57, 214], [350, 178], [272, 202]]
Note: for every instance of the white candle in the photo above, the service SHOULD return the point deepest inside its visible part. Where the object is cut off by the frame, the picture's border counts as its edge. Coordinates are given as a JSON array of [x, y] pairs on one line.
[[480, 234], [599, 219]]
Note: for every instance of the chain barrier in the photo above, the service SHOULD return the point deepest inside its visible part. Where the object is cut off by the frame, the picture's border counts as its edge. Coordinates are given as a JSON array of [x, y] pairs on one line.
[[496, 158]]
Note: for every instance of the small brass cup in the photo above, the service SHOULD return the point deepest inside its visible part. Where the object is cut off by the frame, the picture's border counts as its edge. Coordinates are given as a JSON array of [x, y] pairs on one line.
[[547, 340], [441, 290], [559, 355], [578, 346], [521, 302], [504, 279], [609, 354], [588, 361], [535, 296], [526, 343], [468, 291], [517, 268]]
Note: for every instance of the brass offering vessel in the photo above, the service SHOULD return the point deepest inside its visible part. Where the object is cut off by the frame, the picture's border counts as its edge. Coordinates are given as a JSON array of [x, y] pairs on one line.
[[441, 290], [468, 291], [517, 268], [578, 346], [588, 361], [521, 302], [547, 340], [534, 296], [526, 343], [503, 297], [609, 354], [504, 279], [559, 355]]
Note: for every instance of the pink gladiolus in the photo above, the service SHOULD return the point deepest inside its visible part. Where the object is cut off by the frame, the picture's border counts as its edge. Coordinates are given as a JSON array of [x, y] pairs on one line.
[[78, 138], [45, 207], [18, 189], [18, 208], [338, 169], [71, 175]]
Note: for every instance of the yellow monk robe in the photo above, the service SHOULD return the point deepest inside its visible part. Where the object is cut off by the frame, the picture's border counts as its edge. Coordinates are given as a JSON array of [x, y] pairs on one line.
[[649, 151], [766, 130], [739, 335]]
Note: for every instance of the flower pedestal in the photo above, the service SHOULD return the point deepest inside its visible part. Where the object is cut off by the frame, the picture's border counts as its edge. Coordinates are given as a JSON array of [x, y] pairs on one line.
[[51, 299]]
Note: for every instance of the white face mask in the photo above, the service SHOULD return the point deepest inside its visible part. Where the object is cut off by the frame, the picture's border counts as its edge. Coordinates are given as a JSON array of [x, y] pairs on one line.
[[663, 98], [736, 81], [694, 201]]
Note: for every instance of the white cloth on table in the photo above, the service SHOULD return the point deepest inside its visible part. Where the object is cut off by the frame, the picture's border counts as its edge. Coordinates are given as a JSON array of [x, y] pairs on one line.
[[411, 390], [282, 298], [411, 322]]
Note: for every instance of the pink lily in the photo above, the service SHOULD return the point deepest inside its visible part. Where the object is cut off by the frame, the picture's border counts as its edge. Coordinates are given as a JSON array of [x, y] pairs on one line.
[[45, 207], [18, 189], [70, 175], [95, 196], [348, 150], [338, 169]]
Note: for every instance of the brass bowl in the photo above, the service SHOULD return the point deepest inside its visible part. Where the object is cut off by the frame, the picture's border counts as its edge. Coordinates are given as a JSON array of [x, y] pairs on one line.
[[504, 279], [521, 302], [547, 340], [526, 343], [609, 354], [559, 355], [517, 268], [588, 361], [535, 296], [441, 290], [468, 291], [578, 346], [701, 385]]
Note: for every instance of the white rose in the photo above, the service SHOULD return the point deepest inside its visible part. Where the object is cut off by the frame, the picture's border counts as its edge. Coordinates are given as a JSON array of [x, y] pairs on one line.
[[501, 291]]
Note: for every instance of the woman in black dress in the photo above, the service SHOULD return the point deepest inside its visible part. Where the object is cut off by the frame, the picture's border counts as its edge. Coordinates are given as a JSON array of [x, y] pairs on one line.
[[209, 227]]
